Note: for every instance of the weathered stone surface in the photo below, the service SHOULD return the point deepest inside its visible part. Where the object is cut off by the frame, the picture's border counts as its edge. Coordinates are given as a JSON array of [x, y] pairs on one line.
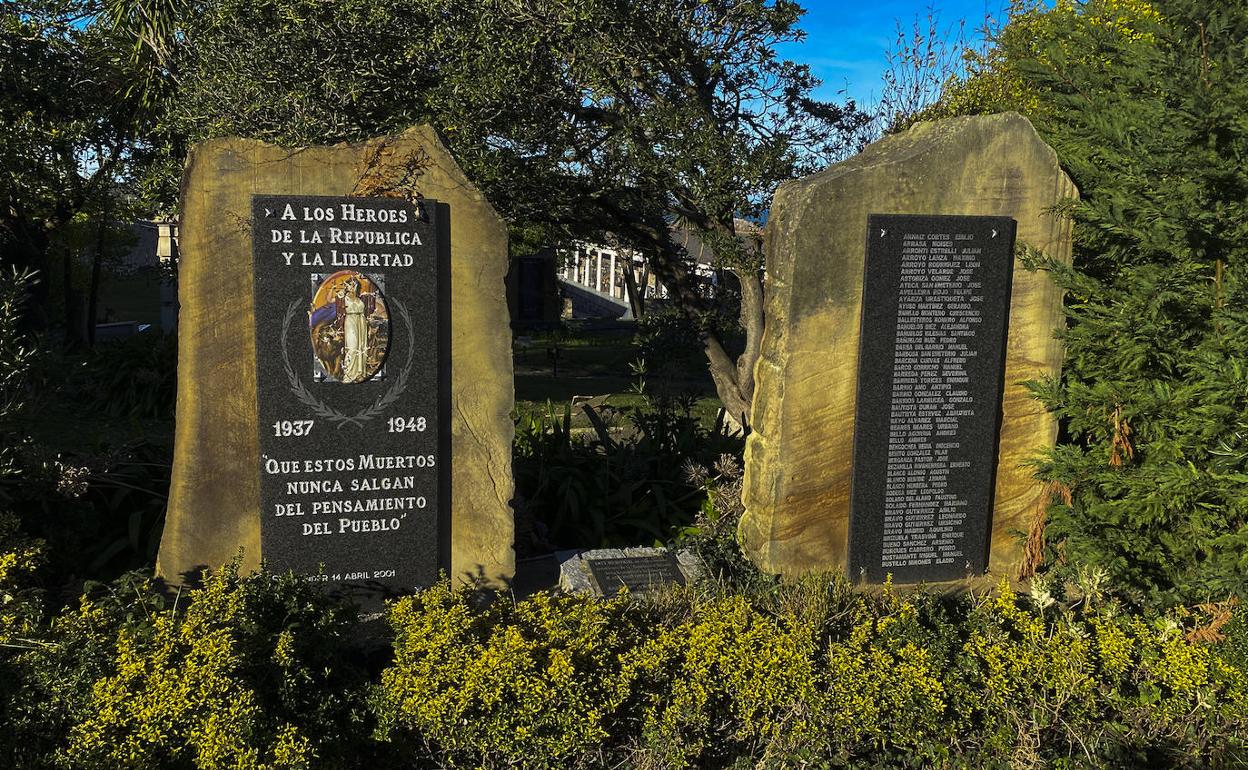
[[214, 494], [799, 457]]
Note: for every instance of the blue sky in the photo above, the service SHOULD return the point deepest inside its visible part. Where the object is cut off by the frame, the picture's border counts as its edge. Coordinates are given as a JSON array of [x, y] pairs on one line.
[[847, 42]]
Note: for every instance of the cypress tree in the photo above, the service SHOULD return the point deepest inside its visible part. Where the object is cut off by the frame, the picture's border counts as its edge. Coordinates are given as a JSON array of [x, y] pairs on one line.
[[1147, 107]]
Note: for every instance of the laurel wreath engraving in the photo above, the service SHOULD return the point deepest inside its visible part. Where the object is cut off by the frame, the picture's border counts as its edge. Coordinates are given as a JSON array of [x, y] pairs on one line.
[[327, 412]]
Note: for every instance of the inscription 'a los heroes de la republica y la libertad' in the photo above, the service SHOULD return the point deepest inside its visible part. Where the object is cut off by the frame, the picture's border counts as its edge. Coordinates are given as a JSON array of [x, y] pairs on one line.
[[351, 336], [935, 305]]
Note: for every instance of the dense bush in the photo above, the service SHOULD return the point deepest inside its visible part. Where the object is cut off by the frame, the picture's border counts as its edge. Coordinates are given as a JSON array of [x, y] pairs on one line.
[[258, 672], [1144, 104], [1157, 393], [99, 504], [665, 335], [670, 343], [612, 489], [132, 377], [101, 512], [244, 673]]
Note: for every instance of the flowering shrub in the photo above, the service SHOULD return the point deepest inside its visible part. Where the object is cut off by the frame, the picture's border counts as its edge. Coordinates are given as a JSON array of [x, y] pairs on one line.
[[246, 672], [528, 684], [176, 696], [728, 681], [258, 672], [20, 558], [809, 674]]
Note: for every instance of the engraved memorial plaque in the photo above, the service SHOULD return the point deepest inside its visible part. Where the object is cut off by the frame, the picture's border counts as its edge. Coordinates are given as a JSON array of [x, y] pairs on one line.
[[352, 382], [936, 299], [636, 573]]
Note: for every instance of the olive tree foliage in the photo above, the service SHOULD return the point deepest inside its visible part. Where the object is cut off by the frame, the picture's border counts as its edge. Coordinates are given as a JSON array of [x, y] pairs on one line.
[[69, 129], [575, 118]]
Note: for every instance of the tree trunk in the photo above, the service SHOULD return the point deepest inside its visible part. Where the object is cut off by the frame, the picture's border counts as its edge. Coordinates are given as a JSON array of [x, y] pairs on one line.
[[93, 292], [73, 313], [636, 299], [752, 320], [725, 372]]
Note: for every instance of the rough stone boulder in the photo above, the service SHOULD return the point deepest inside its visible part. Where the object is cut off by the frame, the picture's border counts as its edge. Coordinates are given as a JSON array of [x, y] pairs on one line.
[[214, 494], [799, 457]]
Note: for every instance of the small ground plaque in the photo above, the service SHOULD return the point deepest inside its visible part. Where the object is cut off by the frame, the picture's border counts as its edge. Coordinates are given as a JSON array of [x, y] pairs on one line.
[[604, 572], [351, 338], [936, 301], [636, 573]]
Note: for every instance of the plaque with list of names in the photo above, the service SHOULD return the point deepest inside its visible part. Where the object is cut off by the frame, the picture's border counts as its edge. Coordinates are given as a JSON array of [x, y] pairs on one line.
[[352, 382], [936, 300]]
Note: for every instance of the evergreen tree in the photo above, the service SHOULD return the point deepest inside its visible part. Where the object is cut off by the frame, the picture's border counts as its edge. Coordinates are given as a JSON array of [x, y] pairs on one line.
[[1145, 106]]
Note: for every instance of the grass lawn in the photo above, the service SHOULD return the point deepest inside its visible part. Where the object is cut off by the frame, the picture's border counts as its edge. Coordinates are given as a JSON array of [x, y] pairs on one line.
[[596, 366]]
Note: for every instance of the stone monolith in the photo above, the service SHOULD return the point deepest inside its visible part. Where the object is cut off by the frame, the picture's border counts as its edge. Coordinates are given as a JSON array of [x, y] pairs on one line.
[[799, 456], [214, 499]]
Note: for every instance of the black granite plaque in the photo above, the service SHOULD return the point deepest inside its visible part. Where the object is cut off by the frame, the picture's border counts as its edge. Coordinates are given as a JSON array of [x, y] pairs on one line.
[[936, 298], [636, 573], [352, 378]]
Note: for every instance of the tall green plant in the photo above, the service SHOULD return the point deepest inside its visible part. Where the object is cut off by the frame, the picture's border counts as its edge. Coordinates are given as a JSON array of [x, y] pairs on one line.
[[135, 377], [17, 352], [617, 489], [1144, 103]]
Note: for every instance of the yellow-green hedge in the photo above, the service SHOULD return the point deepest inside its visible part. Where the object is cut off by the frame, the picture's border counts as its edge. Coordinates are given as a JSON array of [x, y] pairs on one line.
[[258, 672]]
